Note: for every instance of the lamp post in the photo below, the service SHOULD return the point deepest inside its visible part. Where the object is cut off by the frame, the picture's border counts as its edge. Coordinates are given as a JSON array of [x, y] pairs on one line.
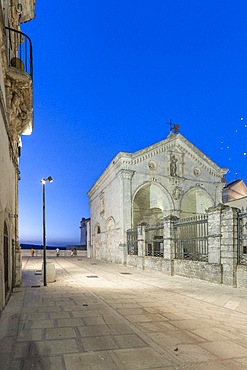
[[43, 181]]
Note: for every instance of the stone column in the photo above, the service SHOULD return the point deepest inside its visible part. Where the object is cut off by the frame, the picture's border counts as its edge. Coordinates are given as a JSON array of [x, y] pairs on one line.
[[169, 245], [229, 245]]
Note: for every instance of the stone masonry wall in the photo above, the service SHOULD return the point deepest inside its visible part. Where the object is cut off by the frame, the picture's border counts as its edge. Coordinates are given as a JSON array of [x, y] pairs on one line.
[[221, 267]]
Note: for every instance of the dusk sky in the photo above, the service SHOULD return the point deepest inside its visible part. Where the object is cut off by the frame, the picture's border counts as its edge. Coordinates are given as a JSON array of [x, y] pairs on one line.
[[108, 76]]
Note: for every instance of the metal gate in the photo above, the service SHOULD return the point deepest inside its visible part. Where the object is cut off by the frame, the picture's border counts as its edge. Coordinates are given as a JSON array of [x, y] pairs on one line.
[[242, 238], [154, 240], [132, 241], [191, 238]]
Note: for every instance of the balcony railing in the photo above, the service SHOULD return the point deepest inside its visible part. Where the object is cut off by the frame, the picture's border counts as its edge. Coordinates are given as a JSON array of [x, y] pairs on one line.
[[19, 50]]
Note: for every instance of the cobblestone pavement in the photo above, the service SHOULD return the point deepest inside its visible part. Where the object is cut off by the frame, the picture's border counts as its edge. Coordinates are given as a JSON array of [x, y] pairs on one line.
[[104, 316]]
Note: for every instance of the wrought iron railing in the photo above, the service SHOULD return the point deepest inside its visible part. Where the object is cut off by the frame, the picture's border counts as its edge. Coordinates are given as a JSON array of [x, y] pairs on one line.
[[242, 238], [191, 238], [19, 50], [154, 241], [132, 241]]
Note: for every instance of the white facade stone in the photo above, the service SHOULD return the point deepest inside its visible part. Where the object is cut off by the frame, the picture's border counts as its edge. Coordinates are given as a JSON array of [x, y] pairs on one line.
[[171, 177]]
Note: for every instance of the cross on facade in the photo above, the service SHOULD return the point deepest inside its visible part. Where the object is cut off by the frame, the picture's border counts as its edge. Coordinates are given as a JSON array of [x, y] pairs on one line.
[[174, 127]]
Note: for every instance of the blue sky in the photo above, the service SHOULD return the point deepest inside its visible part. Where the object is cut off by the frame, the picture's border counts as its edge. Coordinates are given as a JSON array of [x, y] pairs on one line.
[[108, 76]]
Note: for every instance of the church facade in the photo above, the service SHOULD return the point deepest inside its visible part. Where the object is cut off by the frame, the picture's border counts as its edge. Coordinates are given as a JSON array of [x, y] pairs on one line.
[[171, 178]]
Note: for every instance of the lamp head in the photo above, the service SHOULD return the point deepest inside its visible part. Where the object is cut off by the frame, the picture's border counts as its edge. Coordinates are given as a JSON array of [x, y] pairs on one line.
[[49, 178]]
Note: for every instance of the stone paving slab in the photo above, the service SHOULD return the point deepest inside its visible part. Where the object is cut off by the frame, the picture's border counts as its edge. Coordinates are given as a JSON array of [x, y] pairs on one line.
[[123, 319]]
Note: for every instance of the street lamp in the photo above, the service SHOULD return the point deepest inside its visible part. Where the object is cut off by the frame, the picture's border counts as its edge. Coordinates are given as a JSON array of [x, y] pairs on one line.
[[43, 181]]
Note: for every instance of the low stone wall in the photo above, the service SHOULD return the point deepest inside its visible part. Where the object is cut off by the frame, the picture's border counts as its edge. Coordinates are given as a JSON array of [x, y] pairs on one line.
[[131, 260], [153, 263], [241, 276], [52, 253], [199, 270]]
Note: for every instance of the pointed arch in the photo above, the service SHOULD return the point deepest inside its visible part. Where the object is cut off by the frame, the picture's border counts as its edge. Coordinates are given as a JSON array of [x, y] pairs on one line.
[[111, 239], [110, 224]]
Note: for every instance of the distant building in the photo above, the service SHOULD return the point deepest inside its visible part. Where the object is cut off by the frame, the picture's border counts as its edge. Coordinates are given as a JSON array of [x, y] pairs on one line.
[[83, 227], [169, 178], [16, 118], [233, 191]]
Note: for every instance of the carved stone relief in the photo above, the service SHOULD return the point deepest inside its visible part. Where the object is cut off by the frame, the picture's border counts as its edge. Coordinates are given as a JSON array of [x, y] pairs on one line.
[[177, 192], [21, 11], [152, 165], [19, 103]]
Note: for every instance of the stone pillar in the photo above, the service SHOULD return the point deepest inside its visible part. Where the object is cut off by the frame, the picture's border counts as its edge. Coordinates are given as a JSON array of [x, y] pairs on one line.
[[169, 245], [18, 265], [141, 246], [122, 254], [214, 233], [229, 245]]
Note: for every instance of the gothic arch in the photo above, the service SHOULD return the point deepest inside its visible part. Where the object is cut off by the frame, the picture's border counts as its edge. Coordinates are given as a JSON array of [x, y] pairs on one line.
[[195, 201], [151, 202], [110, 224], [97, 229]]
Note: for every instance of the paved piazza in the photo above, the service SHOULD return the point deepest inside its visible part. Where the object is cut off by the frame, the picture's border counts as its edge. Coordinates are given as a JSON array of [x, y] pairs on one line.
[[104, 316]]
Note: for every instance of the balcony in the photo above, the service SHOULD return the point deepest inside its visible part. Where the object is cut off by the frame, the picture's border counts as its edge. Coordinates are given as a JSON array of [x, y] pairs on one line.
[[19, 49], [19, 82]]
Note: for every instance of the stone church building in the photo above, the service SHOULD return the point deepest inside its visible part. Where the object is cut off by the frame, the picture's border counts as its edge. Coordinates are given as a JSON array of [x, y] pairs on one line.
[[171, 178]]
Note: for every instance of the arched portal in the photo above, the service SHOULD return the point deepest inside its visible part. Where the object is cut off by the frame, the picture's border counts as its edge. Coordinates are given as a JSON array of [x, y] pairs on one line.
[[6, 256], [151, 203], [195, 201]]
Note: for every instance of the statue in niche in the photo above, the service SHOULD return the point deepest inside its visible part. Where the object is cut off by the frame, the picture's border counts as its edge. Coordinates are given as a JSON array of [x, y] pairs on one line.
[[173, 166]]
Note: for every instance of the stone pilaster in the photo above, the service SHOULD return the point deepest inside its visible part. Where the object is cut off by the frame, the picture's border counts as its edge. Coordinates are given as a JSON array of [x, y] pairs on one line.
[[18, 265], [141, 246], [169, 245]]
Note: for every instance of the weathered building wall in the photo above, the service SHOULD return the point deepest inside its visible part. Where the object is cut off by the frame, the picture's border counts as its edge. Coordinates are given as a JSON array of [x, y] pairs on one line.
[[16, 118]]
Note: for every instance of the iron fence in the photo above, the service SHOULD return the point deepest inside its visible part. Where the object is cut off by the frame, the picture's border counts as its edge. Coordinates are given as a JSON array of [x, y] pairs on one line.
[[19, 50], [191, 238], [154, 241], [132, 241], [242, 238]]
